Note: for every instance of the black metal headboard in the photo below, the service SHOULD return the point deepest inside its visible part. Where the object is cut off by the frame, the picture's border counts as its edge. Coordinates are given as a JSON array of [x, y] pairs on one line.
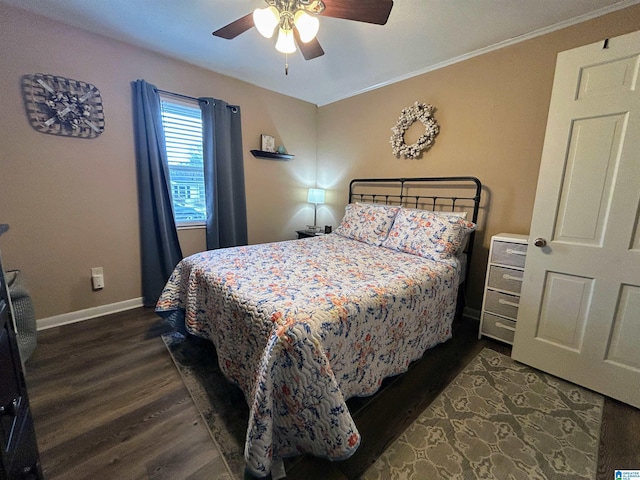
[[445, 194]]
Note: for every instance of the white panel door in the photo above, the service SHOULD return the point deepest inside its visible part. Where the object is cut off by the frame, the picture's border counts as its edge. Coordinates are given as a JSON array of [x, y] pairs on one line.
[[579, 315]]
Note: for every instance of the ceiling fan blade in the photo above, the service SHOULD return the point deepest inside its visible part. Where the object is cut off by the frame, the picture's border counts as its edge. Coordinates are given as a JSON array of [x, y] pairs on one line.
[[309, 50], [235, 28], [369, 11]]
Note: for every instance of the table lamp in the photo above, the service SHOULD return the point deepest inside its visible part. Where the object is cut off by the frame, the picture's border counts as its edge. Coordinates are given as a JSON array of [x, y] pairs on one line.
[[315, 196]]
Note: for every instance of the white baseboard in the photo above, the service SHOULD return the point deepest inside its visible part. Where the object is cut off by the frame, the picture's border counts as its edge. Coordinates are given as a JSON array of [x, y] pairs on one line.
[[471, 313], [80, 315]]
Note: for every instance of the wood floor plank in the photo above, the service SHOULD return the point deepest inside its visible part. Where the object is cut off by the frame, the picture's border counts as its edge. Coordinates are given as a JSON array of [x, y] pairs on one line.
[[87, 446], [170, 463], [214, 470], [97, 406], [619, 439], [128, 448]]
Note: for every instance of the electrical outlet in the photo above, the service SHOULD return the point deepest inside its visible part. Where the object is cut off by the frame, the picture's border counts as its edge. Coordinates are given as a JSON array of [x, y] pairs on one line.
[[98, 282], [97, 278]]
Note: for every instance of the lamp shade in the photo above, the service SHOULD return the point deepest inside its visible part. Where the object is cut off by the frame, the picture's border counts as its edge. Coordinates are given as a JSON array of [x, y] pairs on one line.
[[286, 43], [307, 25], [266, 20], [316, 196]]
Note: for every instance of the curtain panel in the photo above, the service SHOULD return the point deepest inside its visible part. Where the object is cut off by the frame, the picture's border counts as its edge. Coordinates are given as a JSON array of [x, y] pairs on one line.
[[160, 248], [223, 174]]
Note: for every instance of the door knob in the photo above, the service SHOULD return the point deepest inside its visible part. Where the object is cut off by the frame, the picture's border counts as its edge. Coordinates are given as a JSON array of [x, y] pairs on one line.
[[540, 242]]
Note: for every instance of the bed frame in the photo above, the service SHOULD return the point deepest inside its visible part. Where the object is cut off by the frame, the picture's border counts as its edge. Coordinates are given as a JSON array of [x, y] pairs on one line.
[[440, 194]]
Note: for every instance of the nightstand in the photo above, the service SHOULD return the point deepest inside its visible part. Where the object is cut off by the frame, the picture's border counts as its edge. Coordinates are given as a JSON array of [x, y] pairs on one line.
[[308, 233], [505, 272]]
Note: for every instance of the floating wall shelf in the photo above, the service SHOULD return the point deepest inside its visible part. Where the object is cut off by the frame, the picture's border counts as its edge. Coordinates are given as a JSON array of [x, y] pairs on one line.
[[272, 155]]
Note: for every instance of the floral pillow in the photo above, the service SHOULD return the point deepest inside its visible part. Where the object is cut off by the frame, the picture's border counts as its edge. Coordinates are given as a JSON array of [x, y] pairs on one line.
[[461, 213], [367, 223], [431, 235]]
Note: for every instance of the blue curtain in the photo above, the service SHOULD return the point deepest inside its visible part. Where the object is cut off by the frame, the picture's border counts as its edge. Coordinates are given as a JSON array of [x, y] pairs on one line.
[[160, 249], [223, 174]]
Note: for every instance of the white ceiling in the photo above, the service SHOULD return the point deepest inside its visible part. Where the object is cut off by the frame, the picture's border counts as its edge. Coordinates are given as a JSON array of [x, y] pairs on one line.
[[421, 35]]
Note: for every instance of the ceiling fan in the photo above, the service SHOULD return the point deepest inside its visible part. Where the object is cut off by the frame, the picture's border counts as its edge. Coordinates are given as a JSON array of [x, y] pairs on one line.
[[297, 21]]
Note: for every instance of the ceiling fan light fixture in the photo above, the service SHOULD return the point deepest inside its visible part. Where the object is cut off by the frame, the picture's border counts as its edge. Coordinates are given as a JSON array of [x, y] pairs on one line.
[[286, 42], [307, 25], [266, 20]]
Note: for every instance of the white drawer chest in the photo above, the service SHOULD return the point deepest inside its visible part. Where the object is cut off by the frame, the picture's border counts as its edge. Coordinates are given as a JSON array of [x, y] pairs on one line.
[[502, 286]]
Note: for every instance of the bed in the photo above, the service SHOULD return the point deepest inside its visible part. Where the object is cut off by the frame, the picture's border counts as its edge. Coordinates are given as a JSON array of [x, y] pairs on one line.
[[302, 325]]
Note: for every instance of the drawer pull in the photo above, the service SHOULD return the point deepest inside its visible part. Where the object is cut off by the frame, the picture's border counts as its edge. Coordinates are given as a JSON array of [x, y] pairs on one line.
[[511, 251], [30, 472], [11, 408], [506, 327], [511, 277], [502, 301]]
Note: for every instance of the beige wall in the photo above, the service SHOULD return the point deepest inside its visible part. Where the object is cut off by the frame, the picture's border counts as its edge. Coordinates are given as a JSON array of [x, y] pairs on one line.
[[72, 204], [492, 110]]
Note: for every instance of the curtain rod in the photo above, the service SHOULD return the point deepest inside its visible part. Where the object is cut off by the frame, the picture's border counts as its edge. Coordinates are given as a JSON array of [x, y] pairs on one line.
[[234, 108], [177, 95]]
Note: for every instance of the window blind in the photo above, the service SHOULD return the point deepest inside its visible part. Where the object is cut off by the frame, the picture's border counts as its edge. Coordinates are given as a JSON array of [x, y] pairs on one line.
[[182, 123]]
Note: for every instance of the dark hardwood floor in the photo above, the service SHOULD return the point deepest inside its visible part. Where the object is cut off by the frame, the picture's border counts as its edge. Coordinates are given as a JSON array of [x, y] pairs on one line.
[[108, 403]]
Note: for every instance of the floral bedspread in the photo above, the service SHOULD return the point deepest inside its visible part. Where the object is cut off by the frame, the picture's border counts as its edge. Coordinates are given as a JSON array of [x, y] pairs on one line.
[[303, 325]]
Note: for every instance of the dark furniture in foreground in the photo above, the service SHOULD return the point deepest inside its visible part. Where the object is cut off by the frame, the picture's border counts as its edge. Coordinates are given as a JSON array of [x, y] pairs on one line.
[[19, 458]]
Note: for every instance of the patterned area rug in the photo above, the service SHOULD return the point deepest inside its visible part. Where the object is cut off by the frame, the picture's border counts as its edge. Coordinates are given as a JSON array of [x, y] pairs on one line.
[[499, 419]]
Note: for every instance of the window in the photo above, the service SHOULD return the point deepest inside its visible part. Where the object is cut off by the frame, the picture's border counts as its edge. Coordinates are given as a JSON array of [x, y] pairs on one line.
[[182, 123]]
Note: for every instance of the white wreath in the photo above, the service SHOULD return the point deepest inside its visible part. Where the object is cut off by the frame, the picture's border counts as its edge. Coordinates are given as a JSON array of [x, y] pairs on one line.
[[418, 111]]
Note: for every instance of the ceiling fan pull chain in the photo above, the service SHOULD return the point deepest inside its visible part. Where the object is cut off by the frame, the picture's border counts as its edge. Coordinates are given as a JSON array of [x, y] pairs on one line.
[[286, 64]]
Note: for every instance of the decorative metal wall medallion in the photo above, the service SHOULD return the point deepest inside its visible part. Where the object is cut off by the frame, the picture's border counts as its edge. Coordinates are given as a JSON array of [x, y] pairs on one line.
[[61, 106]]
